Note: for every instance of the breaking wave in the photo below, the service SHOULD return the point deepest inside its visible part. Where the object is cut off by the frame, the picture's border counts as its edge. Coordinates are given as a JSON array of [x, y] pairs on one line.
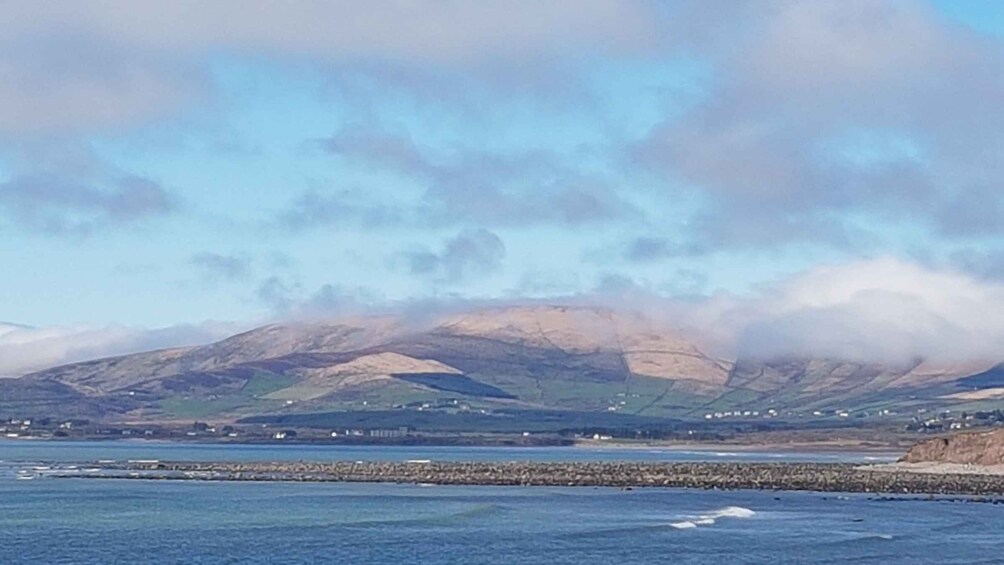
[[712, 517]]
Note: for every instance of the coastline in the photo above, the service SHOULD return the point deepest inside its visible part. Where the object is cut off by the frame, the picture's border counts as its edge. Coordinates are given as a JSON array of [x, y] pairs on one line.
[[835, 447]]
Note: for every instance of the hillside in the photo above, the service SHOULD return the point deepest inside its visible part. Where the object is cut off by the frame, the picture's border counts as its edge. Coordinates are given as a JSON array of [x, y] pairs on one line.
[[545, 358]]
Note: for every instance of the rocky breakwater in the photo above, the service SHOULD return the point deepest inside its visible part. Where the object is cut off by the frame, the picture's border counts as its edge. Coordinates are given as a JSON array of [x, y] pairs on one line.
[[712, 475]]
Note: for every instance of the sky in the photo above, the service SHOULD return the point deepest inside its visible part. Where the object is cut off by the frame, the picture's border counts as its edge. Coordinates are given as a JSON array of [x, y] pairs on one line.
[[815, 177]]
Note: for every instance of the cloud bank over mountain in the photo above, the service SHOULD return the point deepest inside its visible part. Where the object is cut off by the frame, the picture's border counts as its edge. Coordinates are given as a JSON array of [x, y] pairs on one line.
[[24, 349], [882, 310], [874, 310]]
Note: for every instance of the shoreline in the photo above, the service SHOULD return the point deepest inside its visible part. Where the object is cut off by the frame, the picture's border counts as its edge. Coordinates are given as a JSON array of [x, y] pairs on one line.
[[817, 477], [822, 447], [766, 447]]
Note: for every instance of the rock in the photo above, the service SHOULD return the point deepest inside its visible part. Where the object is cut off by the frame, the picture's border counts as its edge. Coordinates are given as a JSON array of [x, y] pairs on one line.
[[985, 448]]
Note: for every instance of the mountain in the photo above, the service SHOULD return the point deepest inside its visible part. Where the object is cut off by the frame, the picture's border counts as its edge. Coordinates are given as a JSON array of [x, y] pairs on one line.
[[505, 360]]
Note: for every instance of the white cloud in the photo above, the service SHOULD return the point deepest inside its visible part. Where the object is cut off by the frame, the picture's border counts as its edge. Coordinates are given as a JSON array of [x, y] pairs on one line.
[[25, 349], [872, 310]]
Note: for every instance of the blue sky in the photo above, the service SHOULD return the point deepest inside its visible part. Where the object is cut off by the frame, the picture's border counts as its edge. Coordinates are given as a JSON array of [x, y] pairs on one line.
[[242, 162]]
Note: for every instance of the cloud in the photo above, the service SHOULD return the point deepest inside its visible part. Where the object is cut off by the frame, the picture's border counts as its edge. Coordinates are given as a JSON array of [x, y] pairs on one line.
[[819, 114], [61, 79], [877, 310], [379, 150], [882, 309], [471, 253], [647, 249], [982, 263], [279, 294], [57, 205], [24, 349], [287, 299], [219, 266], [104, 64], [314, 208], [459, 186]]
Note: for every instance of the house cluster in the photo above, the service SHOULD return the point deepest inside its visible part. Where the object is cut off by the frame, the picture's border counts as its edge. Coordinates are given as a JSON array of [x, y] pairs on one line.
[[14, 427], [949, 420], [769, 413], [773, 413], [381, 433], [451, 405]]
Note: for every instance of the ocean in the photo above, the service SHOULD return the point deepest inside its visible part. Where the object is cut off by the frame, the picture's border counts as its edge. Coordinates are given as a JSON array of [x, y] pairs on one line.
[[121, 521]]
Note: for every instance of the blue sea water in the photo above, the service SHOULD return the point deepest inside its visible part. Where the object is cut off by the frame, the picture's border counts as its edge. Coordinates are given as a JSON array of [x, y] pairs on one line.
[[122, 521], [120, 450]]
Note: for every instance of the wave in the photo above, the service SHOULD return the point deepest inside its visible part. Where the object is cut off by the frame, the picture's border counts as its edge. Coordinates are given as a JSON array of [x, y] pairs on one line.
[[733, 512], [712, 517]]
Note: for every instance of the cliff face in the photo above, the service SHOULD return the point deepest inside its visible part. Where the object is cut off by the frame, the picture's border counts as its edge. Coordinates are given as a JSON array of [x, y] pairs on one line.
[[985, 448]]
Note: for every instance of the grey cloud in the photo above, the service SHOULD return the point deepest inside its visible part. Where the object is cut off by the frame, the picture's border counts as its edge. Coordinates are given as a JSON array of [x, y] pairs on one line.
[[55, 205], [286, 298], [102, 64], [982, 263], [462, 186], [418, 31], [278, 294], [313, 208], [280, 260], [674, 284], [332, 300], [976, 211], [616, 283], [61, 79], [220, 266], [648, 249], [380, 150], [469, 254], [794, 80]]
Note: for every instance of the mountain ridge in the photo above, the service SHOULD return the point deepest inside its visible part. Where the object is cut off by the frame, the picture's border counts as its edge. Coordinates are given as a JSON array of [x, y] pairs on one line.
[[538, 357]]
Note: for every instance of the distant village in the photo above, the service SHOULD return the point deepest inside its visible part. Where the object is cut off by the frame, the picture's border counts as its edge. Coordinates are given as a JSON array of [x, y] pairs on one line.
[[47, 428]]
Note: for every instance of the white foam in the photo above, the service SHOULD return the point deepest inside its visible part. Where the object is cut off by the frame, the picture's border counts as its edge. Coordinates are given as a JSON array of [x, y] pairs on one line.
[[711, 517], [732, 512], [704, 521]]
